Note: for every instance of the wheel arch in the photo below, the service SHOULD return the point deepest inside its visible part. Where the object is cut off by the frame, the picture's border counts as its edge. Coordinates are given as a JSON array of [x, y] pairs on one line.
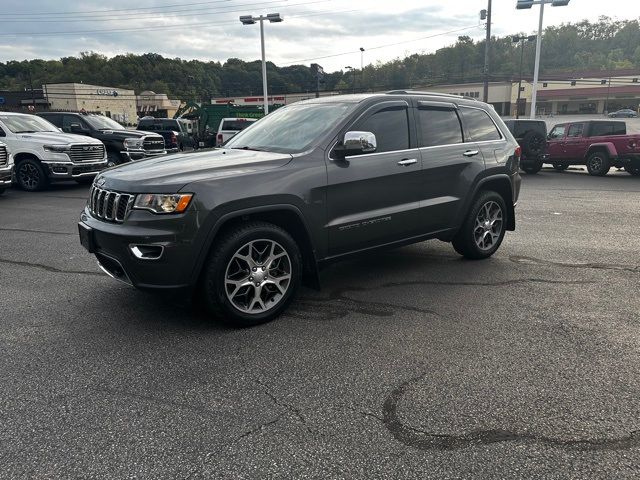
[[501, 184], [287, 217], [18, 157], [608, 147]]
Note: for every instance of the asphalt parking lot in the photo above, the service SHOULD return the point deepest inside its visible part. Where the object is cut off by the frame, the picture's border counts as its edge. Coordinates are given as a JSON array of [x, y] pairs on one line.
[[408, 364]]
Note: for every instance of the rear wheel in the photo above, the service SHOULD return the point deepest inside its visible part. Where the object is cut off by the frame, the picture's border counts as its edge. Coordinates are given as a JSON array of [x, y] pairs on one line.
[[252, 274], [483, 230], [560, 167], [633, 170], [113, 159], [30, 175], [598, 163], [532, 168]]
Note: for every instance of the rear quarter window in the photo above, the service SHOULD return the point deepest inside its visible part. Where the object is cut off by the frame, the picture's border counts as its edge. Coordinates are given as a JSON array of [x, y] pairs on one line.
[[479, 124], [235, 125]]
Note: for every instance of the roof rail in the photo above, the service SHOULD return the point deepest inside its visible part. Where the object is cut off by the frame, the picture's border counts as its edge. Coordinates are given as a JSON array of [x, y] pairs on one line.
[[435, 94]]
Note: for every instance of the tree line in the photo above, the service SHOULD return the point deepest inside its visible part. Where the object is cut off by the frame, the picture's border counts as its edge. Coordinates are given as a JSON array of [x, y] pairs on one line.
[[603, 45]]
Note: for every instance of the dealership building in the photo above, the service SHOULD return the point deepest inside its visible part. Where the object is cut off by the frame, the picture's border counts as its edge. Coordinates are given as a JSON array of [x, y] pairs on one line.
[[117, 103]]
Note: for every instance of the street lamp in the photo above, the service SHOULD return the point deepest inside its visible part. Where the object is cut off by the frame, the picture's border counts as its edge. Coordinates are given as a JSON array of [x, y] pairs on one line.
[[250, 20], [521, 39], [353, 77], [525, 4], [362, 68]]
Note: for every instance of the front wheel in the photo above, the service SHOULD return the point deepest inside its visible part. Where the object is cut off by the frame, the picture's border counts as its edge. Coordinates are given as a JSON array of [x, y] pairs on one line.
[[560, 167], [31, 176], [2, 190], [252, 274], [633, 170], [598, 164], [483, 230], [113, 159]]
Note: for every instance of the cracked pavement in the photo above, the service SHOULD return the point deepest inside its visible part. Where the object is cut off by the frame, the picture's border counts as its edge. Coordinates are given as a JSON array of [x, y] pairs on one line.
[[412, 363]]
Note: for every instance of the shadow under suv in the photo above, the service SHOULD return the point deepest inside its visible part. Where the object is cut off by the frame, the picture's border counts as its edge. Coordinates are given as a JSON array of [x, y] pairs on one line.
[[307, 185]]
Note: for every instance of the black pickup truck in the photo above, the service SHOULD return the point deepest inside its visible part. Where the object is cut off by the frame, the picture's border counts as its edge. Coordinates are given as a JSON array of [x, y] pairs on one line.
[[122, 145], [175, 138]]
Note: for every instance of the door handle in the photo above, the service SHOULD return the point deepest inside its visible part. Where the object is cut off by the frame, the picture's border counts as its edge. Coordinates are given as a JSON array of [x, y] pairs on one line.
[[471, 153], [405, 162]]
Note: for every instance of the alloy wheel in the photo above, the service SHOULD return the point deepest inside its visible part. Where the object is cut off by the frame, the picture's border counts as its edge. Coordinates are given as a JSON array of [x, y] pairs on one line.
[[258, 276], [488, 225], [596, 163], [29, 176]]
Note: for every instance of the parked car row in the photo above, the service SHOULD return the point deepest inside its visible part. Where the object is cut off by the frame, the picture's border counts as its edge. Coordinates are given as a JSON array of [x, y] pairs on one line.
[[36, 150], [597, 144]]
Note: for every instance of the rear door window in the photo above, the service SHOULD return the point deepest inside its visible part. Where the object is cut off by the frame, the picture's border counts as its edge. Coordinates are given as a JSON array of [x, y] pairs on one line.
[[439, 126], [480, 125], [576, 130], [56, 119]]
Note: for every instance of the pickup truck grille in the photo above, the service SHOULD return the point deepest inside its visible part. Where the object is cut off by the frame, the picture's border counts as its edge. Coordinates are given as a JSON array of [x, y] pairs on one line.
[[4, 156], [108, 205], [153, 144], [86, 153]]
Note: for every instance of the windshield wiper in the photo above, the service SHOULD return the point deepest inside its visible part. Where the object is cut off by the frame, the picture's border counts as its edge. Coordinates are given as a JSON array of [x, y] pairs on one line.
[[27, 131], [246, 147]]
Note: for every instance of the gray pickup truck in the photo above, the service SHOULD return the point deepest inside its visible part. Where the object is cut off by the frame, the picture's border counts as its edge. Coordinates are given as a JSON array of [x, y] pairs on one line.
[[309, 184]]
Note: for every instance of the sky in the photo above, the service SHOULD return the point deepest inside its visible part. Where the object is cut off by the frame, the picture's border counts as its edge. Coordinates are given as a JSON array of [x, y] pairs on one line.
[[328, 32]]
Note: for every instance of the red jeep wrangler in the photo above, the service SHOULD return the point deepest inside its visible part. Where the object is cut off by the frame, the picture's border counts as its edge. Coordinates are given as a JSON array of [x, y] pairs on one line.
[[598, 144]]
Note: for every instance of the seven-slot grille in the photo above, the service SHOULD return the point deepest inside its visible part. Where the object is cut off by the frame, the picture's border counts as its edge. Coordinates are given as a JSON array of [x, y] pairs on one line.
[[109, 205], [153, 144], [86, 153], [4, 156]]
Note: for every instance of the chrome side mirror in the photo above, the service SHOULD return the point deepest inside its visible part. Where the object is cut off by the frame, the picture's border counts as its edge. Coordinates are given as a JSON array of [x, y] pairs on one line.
[[355, 143]]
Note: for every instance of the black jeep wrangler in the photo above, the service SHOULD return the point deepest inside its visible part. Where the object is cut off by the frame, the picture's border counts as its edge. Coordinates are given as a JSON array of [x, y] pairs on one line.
[[309, 184], [532, 138]]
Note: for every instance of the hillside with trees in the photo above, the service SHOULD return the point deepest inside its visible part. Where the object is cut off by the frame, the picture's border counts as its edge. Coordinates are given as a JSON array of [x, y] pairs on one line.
[[605, 45]]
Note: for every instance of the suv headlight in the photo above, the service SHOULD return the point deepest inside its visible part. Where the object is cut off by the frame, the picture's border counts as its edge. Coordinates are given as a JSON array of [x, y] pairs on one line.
[[133, 143], [163, 203], [60, 148]]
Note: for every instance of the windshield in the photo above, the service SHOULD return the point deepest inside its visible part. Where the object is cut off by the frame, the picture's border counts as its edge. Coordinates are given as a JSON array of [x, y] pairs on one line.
[[27, 124], [100, 122], [291, 129]]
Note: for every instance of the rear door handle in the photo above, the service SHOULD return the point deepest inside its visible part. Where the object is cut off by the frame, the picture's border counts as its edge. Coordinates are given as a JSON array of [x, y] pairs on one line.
[[471, 153], [405, 162]]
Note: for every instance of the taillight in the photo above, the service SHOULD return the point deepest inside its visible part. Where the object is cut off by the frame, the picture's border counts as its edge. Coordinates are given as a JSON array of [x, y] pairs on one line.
[[174, 139], [518, 152], [220, 138]]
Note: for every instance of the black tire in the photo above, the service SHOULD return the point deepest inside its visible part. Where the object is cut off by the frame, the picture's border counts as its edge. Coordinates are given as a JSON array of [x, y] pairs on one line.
[[465, 242], [532, 168], [214, 281], [598, 163], [30, 175], [533, 144], [113, 159], [560, 167], [633, 170], [2, 190]]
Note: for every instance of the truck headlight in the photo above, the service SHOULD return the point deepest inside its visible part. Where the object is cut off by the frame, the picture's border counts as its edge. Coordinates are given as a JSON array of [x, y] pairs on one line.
[[163, 203], [58, 148], [133, 143]]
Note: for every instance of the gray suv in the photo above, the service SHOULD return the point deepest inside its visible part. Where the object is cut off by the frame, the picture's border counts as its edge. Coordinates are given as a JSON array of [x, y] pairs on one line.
[[309, 184]]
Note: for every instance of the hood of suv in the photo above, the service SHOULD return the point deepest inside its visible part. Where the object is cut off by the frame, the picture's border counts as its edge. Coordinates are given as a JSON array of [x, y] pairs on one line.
[[47, 138], [172, 172], [122, 134]]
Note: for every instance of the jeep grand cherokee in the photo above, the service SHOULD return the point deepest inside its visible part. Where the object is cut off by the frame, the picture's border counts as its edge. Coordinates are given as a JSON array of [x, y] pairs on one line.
[[309, 184]]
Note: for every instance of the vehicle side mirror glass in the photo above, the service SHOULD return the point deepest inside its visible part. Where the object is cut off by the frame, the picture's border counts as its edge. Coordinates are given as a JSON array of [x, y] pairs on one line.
[[356, 143], [76, 128]]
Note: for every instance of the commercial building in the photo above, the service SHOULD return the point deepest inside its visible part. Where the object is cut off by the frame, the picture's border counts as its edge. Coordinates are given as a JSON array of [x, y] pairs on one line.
[[23, 100], [117, 103], [157, 105]]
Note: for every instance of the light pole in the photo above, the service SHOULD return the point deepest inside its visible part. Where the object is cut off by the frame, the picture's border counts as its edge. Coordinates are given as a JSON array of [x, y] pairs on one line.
[[250, 20], [525, 4], [353, 77], [362, 68], [521, 40], [487, 46]]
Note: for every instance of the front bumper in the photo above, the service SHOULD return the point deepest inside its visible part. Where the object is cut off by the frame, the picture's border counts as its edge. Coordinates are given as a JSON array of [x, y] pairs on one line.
[[117, 248], [133, 155], [5, 176], [62, 170]]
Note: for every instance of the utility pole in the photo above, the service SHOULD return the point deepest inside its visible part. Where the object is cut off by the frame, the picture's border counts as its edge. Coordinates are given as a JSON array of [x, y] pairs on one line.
[[485, 94]]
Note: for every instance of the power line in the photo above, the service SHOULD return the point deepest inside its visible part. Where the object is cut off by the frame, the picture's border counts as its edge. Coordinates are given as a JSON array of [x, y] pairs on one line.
[[166, 27]]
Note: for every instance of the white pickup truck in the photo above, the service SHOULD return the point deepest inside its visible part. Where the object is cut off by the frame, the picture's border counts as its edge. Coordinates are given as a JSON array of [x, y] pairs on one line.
[[230, 127], [42, 153], [6, 167]]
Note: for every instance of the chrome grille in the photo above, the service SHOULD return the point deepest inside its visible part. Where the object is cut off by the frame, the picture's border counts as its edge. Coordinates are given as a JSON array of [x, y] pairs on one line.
[[4, 156], [153, 144], [108, 205], [86, 153]]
